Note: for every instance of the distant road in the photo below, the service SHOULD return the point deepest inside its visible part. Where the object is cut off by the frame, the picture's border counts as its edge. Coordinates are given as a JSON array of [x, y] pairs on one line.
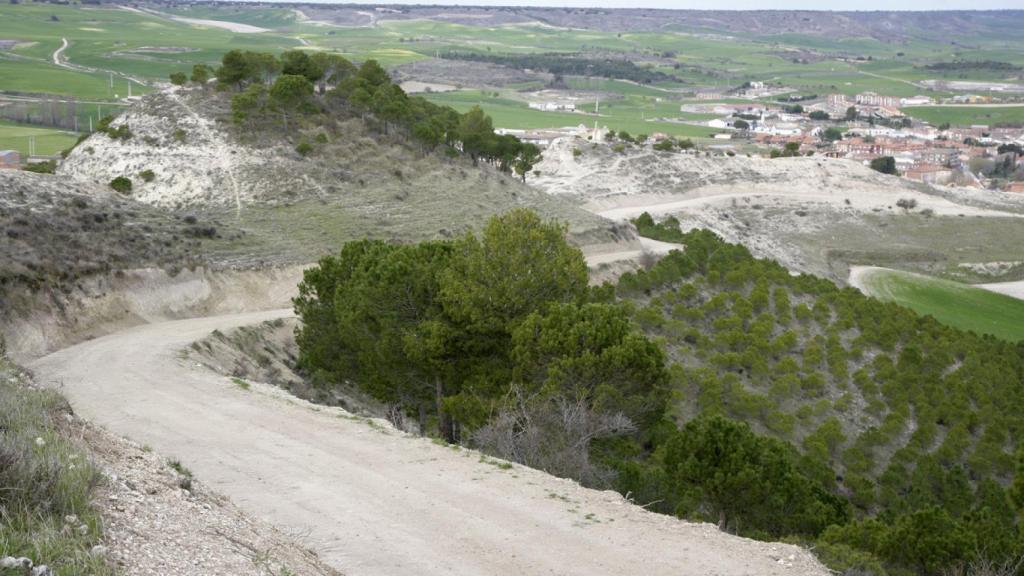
[[59, 60], [57, 53]]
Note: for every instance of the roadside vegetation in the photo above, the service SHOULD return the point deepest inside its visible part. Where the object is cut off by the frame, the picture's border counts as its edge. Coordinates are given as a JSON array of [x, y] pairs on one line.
[[46, 484], [712, 386]]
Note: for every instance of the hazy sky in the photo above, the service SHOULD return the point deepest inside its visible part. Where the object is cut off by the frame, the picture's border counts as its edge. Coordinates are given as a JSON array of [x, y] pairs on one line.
[[741, 4]]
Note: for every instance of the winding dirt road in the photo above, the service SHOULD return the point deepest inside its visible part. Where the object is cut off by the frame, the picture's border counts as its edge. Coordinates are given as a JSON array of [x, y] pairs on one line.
[[372, 500], [57, 53]]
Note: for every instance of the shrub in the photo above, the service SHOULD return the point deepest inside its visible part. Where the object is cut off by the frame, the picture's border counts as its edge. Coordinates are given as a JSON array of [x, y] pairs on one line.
[[178, 78], [725, 472], [907, 203], [179, 135], [885, 165], [321, 138], [47, 167], [122, 132], [184, 474], [304, 148], [664, 145], [122, 184], [47, 484], [147, 175]]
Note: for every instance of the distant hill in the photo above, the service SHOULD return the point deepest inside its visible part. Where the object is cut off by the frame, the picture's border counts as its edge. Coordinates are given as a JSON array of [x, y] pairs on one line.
[[294, 208], [812, 214], [881, 25]]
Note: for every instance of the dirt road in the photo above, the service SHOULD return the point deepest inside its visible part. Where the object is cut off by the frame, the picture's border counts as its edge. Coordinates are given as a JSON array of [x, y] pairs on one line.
[[370, 499], [57, 53]]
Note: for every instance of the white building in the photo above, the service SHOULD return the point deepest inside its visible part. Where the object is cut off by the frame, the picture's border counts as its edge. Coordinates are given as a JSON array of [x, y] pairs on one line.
[[779, 129], [553, 106], [916, 101]]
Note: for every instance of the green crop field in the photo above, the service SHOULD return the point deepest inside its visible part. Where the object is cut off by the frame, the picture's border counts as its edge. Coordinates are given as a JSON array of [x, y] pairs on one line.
[[48, 140], [631, 114], [959, 305], [112, 45], [105, 40], [968, 115]]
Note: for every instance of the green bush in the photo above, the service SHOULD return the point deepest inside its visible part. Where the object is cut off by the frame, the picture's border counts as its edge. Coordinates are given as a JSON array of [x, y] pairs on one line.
[[122, 132], [722, 470], [147, 175], [122, 184], [665, 145], [304, 148], [515, 296], [47, 167]]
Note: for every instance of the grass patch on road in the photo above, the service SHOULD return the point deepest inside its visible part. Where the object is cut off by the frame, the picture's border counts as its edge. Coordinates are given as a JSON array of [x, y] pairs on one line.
[[46, 483], [959, 305]]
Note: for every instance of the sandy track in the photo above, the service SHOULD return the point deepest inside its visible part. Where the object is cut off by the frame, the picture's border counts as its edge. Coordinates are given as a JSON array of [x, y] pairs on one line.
[[1015, 289], [646, 245], [371, 500], [236, 27], [860, 275], [57, 53]]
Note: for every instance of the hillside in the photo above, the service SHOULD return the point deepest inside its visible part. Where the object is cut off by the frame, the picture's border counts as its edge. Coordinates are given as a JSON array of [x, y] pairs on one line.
[[904, 416], [293, 208], [58, 232], [815, 215], [880, 25]]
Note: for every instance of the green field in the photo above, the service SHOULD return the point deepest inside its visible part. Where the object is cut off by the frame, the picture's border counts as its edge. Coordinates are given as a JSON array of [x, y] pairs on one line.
[[48, 140], [108, 40], [959, 305], [149, 46], [633, 113], [967, 115]]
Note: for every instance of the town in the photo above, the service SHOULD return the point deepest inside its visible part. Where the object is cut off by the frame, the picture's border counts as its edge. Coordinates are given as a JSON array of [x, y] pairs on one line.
[[874, 129]]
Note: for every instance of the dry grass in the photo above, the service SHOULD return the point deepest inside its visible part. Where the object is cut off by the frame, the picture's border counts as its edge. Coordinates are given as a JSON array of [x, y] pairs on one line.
[[46, 482]]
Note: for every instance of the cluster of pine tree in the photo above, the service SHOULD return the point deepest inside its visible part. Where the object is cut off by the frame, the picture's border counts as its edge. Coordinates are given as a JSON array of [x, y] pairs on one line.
[[299, 86], [912, 424], [495, 340]]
